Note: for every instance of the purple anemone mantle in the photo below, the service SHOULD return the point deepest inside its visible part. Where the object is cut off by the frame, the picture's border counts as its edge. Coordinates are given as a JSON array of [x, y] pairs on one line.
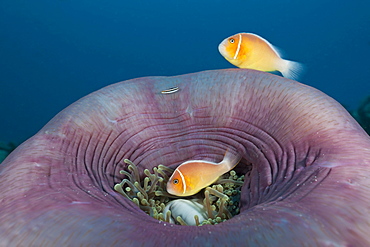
[[309, 184]]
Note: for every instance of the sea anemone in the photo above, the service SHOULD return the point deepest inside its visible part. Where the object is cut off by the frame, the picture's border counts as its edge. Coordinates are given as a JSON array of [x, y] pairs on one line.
[[305, 161]]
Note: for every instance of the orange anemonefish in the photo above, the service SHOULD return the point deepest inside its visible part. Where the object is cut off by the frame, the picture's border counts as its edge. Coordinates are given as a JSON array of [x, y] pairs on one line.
[[250, 51], [193, 175]]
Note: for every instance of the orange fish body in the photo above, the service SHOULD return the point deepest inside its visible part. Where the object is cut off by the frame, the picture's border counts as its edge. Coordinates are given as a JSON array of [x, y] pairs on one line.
[[192, 176], [250, 51]]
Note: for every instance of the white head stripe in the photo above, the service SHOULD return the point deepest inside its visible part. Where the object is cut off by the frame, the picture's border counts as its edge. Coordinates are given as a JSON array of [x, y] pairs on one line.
[[238, 49], [183, 182]]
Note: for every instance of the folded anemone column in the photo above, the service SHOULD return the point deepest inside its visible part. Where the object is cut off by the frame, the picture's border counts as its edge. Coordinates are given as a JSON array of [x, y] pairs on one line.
[[307, 182]]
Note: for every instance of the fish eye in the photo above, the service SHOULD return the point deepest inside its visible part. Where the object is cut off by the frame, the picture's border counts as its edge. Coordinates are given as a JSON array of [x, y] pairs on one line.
[[175, 181], [232, 41]]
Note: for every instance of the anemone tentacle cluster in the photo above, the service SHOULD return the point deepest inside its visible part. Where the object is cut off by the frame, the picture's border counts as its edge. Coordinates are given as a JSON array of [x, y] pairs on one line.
[[214, 205]]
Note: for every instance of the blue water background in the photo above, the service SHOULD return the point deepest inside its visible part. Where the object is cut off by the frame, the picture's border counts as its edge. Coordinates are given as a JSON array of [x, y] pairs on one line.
[[53, 52]]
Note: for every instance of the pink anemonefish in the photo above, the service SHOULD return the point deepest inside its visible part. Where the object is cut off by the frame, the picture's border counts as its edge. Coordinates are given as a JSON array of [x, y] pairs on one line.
[[250, 51], [193, 175]]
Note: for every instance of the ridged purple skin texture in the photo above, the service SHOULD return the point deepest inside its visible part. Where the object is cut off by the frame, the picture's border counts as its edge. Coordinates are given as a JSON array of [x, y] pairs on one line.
[[309, 184]]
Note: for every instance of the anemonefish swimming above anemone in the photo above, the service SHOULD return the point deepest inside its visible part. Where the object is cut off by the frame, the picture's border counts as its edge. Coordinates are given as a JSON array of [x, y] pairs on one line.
[[193, 175], [250, 51]]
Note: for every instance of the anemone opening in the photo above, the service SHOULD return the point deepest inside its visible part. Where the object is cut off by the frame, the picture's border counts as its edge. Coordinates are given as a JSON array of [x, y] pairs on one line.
[[210, 206]]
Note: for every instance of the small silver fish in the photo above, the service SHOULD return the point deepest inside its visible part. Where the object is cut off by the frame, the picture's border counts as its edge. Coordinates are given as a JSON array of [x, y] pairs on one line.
[[171, 90]]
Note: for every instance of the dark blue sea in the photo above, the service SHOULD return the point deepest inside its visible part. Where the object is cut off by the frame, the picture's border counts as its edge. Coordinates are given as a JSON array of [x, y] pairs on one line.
[[53, 52]]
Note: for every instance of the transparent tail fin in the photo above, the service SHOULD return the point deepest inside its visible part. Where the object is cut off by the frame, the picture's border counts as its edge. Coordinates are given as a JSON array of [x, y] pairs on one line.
[[292, 70], [231, 159]]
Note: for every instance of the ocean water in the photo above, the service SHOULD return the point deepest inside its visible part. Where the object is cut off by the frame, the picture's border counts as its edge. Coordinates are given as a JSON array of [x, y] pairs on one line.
[[53, 52]]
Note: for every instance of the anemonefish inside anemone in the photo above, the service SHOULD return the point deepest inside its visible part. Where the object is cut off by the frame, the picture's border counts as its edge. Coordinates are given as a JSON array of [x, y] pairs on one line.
[[193, 175], [250, 51]]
